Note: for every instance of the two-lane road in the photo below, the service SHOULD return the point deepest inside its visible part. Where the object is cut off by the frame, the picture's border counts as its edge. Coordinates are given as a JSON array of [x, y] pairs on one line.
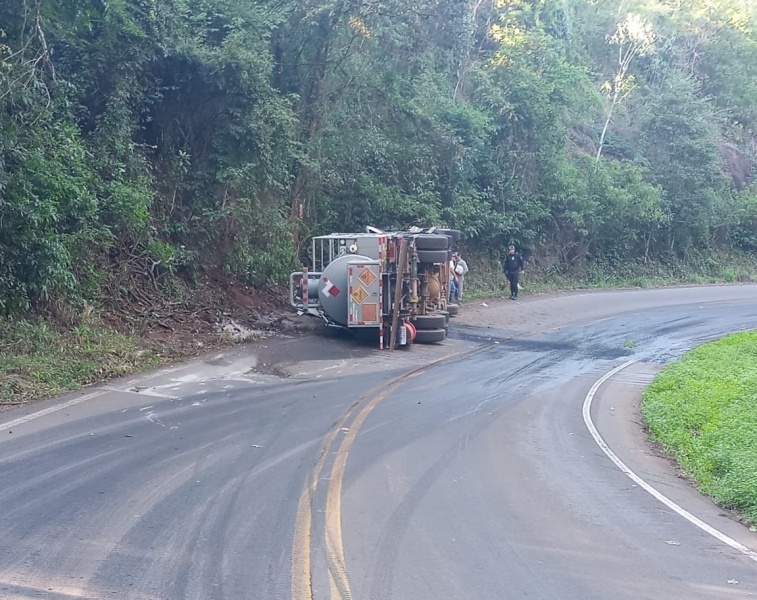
[[374, 477]]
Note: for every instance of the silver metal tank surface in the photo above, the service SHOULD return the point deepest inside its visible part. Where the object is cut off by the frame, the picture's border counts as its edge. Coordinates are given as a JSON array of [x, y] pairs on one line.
[[333, 287]]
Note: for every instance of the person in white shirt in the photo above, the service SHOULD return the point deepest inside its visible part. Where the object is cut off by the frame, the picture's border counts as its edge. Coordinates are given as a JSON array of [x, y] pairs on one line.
[[453, 278], [460, 269]]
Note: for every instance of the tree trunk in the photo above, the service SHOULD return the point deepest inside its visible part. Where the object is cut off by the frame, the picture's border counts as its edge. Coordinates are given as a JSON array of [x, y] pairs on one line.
[[310, 109]]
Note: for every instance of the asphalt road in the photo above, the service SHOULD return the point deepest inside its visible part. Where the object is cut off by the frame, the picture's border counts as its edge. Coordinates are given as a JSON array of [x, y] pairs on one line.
[[463, 471]]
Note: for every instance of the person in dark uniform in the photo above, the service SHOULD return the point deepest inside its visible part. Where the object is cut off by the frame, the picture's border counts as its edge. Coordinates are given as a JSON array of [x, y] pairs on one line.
[[512, 268]]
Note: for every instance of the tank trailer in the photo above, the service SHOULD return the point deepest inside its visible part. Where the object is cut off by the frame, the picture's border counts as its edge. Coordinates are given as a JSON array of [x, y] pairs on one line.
[[391, 285]]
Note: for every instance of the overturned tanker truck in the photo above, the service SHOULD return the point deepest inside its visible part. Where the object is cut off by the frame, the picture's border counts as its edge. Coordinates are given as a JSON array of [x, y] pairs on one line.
[[391, 285]]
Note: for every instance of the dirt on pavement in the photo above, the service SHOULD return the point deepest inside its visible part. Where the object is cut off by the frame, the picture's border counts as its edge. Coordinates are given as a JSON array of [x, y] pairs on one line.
[[237, 312]]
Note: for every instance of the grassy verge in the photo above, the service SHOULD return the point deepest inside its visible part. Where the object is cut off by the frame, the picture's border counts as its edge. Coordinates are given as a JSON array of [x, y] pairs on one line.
[[38, 361], [703, 411]]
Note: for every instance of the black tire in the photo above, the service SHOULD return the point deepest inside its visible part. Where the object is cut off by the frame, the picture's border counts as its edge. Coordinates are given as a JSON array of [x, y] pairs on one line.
[[455, 234], [430, 336], [432, 256], [432, 321], [443, 312], [431, 241], [453, 309]]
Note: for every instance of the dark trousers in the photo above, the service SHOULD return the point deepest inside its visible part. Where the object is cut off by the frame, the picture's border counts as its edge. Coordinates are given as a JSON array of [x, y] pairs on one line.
[[513, 278]]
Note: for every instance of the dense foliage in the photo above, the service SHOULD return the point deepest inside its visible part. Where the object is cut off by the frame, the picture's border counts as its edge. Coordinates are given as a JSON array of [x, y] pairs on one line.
[[140, 138]]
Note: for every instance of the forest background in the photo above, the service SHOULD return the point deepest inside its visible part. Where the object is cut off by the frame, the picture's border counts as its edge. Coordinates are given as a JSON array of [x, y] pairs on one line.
[[149, 148]]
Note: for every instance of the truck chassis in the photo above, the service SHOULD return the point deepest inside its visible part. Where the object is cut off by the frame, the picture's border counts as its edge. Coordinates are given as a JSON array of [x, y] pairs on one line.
[[394, 285]]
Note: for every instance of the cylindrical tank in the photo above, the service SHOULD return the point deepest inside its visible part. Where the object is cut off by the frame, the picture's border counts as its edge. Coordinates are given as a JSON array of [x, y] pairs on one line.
[[313, 288], [333, 287]]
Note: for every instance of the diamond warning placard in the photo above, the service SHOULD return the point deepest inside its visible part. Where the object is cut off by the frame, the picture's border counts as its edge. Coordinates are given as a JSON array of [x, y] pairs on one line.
[[330, 288], [359, 294], [367, 277]]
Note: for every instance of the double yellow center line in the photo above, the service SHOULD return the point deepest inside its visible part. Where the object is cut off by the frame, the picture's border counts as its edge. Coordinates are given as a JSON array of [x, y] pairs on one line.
[[348, 428]]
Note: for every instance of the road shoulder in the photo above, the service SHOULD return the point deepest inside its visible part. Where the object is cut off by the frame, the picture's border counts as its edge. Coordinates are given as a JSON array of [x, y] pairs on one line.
[[617, 416]]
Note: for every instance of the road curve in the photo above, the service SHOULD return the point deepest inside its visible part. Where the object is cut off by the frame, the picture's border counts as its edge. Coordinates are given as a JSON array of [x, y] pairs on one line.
[[461, 471]]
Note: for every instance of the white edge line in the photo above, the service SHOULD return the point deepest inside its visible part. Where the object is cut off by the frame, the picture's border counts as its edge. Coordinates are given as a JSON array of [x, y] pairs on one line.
[[719, 535], [48, 411]]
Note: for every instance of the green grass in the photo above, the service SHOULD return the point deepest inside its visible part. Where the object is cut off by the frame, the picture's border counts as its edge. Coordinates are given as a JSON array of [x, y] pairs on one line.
[[39, 361], [703, 411]]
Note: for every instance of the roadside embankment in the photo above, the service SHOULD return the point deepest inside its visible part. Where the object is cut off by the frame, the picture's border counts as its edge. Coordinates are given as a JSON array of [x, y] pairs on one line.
[[703, 411], [42, 358], [38, 360]]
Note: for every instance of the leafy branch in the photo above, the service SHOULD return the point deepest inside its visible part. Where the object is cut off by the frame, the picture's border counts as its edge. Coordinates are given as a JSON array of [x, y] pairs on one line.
[[634, 37]]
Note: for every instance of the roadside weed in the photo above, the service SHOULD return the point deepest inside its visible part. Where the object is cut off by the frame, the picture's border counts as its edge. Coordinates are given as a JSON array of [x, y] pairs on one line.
[[703, 411], [38, 361]]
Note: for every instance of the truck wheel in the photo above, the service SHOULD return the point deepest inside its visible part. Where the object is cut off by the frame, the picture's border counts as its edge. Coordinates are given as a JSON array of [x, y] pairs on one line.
[[453, 309], [443, 312], [433, 321], [430, 336], [431, 241], [432, 256], [455, 234]]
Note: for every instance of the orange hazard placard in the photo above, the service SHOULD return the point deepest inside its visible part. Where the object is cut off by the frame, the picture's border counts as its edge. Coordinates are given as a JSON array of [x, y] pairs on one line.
[[359, 295], [367, 277]]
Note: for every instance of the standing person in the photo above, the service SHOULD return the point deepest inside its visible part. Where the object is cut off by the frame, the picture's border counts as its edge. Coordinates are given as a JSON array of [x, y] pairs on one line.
[[452, 280], [461, 268], [512, 268]]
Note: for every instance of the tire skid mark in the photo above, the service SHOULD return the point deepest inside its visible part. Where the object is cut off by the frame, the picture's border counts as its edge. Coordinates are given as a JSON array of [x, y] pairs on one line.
[[544, 358], [302, 584], [302, 556], [397, 525], [545, 589], [334, 540]]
